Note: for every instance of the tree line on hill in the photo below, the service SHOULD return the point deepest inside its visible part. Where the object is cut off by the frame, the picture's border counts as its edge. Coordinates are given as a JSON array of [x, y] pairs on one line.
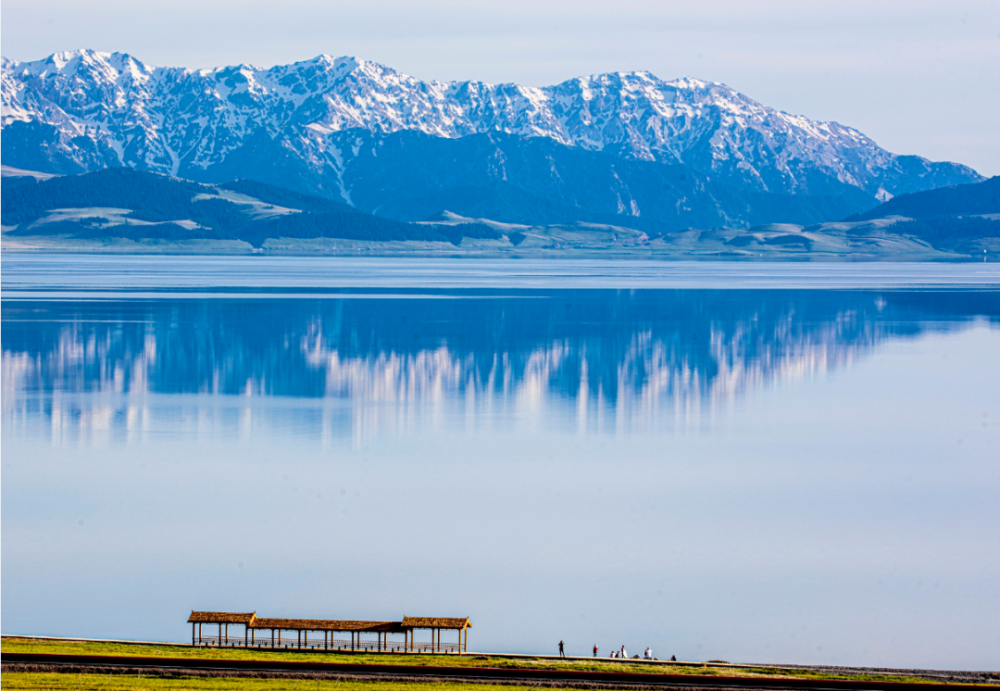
[[142, 205], [156, 203]]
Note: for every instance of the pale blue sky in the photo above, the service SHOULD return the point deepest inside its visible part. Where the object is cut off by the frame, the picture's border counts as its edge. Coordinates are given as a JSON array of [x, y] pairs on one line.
[[918, 76]]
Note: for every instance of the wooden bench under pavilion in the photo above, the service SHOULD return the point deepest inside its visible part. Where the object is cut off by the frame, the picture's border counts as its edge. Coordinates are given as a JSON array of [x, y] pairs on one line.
[[268, 633]]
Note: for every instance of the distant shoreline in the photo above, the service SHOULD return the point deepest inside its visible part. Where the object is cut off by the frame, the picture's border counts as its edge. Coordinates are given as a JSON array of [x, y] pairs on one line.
[[394, 250]]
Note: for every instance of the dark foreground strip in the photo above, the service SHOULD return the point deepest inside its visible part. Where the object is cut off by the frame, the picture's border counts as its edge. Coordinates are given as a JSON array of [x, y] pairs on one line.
[[472, 674]]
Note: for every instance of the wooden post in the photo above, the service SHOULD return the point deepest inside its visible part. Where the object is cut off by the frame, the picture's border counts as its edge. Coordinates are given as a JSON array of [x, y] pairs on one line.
[[199, 634], [227, 634]]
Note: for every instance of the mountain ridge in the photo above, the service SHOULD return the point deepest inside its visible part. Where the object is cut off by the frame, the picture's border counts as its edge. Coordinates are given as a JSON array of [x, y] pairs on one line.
[[107, 108]]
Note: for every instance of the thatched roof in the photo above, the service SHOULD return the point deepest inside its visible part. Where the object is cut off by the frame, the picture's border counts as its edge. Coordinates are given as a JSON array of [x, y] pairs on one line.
[[436, 623], [222, 618], [253, 621], [328, 625]]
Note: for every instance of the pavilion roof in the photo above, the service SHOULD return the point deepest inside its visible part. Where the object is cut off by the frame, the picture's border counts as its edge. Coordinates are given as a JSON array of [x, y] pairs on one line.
[[327, 625], [222, 618], [436, 623]]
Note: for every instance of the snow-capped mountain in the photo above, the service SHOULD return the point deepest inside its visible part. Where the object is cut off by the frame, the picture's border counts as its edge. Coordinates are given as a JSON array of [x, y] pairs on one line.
[[306, 124]]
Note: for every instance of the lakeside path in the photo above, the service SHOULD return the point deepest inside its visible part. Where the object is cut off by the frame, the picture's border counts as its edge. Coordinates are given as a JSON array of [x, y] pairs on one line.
[[50, 662]]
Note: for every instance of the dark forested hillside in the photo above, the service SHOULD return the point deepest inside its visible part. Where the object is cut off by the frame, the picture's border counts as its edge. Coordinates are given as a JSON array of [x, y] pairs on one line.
[[126, 203], [123, 203], [151, 196], [949, 232], [957, 200]]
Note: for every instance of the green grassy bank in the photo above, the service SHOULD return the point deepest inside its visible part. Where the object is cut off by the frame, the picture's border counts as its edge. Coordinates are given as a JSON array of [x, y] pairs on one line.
[[27, 645], [118, 682]]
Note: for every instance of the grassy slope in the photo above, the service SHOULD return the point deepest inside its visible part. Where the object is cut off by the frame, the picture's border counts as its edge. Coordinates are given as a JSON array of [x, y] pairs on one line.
[[117, 682], [20, 645]]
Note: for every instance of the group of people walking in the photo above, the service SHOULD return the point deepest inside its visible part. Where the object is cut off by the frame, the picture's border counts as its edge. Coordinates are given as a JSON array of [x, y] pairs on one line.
[[621, 654]]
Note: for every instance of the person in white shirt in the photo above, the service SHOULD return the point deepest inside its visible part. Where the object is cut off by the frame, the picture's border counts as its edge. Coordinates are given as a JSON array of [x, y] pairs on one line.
[[648, 655], [622, 654]]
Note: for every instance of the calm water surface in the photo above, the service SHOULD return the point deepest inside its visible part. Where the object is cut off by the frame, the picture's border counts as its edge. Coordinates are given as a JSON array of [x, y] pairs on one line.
[[775, 463]]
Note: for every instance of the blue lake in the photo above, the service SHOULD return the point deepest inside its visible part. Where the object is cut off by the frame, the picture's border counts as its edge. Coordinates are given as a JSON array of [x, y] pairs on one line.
[[750, 462]]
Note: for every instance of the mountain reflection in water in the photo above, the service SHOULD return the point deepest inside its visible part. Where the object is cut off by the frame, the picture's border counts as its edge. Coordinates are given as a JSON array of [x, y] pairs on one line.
[[602, 361]]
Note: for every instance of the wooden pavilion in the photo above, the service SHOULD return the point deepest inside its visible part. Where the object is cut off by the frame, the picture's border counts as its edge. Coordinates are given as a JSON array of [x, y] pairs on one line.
[[271, 633], [223, 619], [436, 626], [329, 628]]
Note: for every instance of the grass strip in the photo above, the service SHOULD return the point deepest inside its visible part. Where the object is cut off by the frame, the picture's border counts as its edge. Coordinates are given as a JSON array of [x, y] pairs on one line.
[[27, 645], [120, 682]]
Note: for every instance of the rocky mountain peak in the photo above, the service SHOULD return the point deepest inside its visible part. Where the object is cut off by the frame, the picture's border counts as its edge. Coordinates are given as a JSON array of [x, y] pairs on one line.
[[112, 109]]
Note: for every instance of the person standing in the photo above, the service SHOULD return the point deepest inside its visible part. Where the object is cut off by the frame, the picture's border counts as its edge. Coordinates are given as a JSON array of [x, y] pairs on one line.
[[648, 655], [562, 652], [623, 655], [595, 650]]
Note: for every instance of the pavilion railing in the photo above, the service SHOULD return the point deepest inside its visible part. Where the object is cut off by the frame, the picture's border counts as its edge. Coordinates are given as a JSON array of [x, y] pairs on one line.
[[262, 639]]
